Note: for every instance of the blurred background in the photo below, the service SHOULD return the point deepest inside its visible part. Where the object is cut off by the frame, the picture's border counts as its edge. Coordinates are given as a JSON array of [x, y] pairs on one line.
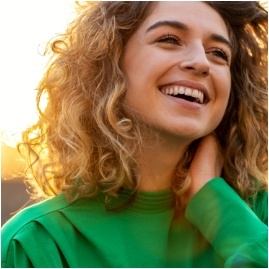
[[26, 26]]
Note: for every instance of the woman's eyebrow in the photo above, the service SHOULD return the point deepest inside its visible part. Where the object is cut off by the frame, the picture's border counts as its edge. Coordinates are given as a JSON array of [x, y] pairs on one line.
[[221, 39], [184, 27], [174, 24]]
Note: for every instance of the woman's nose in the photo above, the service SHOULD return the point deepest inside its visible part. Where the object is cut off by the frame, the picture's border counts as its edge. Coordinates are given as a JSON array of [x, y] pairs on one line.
[[195, 61]]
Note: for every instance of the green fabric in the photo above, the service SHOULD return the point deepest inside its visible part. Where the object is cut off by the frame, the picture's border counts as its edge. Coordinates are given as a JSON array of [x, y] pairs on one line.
[[218, 230]]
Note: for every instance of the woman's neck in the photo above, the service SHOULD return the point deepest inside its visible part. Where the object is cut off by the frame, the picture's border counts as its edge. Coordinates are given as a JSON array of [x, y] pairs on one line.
[[158, 163]]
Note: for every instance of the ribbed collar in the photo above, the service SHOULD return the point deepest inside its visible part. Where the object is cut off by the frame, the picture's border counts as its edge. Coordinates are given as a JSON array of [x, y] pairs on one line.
[[144, 201]]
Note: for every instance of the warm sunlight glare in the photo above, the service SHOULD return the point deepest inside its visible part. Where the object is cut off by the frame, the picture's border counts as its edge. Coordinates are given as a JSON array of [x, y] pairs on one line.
[[25, 28]]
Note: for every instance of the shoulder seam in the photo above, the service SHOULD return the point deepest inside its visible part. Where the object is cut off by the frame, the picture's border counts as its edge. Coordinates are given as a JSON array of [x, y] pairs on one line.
[[39, 216]]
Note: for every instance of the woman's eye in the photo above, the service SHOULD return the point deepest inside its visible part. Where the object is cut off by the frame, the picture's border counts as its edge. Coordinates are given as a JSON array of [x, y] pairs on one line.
[[170, 39], [220, 54]]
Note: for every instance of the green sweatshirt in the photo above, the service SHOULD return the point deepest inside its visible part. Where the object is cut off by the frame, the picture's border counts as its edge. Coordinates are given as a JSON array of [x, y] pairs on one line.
[[218, 230]]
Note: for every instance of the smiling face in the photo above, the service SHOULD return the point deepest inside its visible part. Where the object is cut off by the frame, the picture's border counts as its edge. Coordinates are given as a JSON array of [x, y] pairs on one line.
[[177, 66]]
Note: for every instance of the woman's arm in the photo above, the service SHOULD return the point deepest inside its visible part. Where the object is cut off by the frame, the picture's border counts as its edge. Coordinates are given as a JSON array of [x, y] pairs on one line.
[[230, 225], [225, 220]]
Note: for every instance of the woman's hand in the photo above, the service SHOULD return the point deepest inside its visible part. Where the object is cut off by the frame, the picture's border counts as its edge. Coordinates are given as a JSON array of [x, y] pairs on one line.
[[206, 164]]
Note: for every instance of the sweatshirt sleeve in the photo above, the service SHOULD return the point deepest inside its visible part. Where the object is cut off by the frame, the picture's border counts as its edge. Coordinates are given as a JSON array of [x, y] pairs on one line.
[[236, 232], [17, 257]]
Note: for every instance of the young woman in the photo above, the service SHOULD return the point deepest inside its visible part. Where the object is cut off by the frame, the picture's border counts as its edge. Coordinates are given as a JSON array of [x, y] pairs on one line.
[[153, 141]]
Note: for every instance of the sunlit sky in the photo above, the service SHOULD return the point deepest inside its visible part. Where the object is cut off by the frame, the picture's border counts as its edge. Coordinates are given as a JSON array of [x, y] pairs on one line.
[[25, 28]]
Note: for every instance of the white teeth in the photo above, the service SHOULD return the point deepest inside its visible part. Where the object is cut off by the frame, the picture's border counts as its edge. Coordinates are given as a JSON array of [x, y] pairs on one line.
[[188, 92], [195, 94], [181, 90], [199, 96]]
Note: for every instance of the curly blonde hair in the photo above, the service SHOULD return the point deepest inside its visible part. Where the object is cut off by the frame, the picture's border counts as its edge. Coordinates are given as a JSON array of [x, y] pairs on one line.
[[86, 140]]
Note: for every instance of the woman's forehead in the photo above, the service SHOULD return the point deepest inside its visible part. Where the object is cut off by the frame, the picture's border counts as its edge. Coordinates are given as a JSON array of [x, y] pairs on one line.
[[189, 13]]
